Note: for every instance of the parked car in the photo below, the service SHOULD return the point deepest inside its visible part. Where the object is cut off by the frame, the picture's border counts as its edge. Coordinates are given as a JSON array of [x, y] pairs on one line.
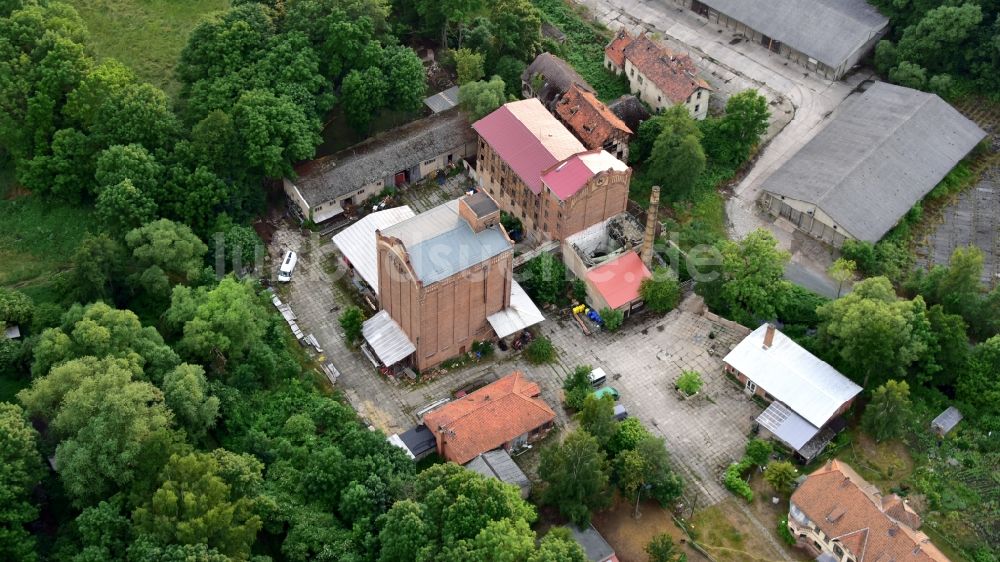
[[606, 391], [287, 266], [621, 413], [597, 377]]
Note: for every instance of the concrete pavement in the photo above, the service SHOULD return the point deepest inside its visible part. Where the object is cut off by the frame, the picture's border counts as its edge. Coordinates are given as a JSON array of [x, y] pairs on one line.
[[801, 104]]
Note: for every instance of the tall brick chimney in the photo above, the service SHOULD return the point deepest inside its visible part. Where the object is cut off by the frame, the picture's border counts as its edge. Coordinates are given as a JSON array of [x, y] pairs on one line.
[[651, 218], [769, 336]]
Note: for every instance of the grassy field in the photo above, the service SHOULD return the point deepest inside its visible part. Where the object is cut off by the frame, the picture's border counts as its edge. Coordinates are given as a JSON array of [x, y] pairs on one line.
[[37, 239], [146, 35]]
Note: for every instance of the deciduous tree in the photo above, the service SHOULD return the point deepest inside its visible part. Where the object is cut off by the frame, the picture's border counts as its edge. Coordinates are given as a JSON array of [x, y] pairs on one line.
[[99, 330], [888, 412], [481, 98], [185, 391], [363, 95], [841, 271], [575, 475], [275, 132], [123, 207], [662, 549], [677, 157], [469, 65], [661, 292], [597, 418], [194, 505], [752, 283], [22, 470]]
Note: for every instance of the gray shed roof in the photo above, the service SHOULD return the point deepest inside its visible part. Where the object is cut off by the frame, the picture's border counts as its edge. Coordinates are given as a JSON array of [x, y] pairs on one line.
[[443, 101], [440, 243], [558, 76], [418, 440], [498, 464], [829, 31], [882, 152], [597, 549], [328, 178], [629, 109], [947, 420], [387, 339]]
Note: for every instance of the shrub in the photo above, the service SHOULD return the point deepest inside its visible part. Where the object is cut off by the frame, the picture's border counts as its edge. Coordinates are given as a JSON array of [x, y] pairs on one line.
[[733, 479], [613, 318], [483, 348], [757, 452], [689, 382], [351, 320], [579, 291], [576, 387], [661, 292], [540, 351], [784, 532], [781, 475]]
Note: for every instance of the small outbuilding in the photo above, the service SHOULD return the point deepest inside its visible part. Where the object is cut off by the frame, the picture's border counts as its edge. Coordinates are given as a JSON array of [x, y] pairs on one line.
[[417, 442], [12, 331], [498, 464], [944, 423], [594, 545]]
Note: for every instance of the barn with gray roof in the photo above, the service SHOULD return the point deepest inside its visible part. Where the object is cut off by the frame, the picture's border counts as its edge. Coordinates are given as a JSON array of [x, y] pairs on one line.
[[326, 187], [827, 36], [881, 153]]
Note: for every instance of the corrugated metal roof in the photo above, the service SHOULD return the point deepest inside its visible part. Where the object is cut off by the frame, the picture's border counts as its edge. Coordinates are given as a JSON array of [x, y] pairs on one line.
[[786, 425], [442, 101], [808, 386], [521, 313], [618, 281], [528, 138], [883, 152], [441, 243], [498, 464], [829, 31], [12, 332], [387, 339], [357, 242]]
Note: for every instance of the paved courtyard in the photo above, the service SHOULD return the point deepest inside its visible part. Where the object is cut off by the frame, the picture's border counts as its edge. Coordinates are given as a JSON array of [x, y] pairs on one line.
[[703, 434]]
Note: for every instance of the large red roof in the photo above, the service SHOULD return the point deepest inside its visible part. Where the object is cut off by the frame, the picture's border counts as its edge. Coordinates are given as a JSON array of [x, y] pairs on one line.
[[847, 508], [618, 281], [528, 138], [569, 176], [488, 418]]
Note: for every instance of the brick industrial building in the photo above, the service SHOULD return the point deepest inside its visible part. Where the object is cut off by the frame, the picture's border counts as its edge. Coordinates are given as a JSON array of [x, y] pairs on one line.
[[445, 280], [539, 172]]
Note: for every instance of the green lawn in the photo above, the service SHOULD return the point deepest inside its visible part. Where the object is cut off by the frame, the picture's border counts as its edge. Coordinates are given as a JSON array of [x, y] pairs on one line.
[[146, 35], [37, 241]]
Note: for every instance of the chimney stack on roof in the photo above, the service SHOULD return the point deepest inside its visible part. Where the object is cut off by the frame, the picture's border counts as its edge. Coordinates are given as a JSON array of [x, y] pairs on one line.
[[769, 336], [651, 218]]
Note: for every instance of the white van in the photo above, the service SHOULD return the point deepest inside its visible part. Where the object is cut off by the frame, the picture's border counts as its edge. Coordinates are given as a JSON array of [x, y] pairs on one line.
[[597, 377], [286, 267]]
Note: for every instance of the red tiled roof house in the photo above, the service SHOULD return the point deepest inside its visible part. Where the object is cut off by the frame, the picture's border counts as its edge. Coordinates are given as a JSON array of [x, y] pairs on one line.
[[539, 172], [592, 122], [507, 413], [836, 515], [657, 75]]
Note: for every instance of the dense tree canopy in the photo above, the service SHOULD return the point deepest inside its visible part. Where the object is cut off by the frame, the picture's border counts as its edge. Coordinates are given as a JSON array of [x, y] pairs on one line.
[[22, 470], [575, 473]]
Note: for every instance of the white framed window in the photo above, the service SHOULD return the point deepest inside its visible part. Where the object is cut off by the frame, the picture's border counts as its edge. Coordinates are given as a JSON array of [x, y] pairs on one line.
[[751, 386]]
